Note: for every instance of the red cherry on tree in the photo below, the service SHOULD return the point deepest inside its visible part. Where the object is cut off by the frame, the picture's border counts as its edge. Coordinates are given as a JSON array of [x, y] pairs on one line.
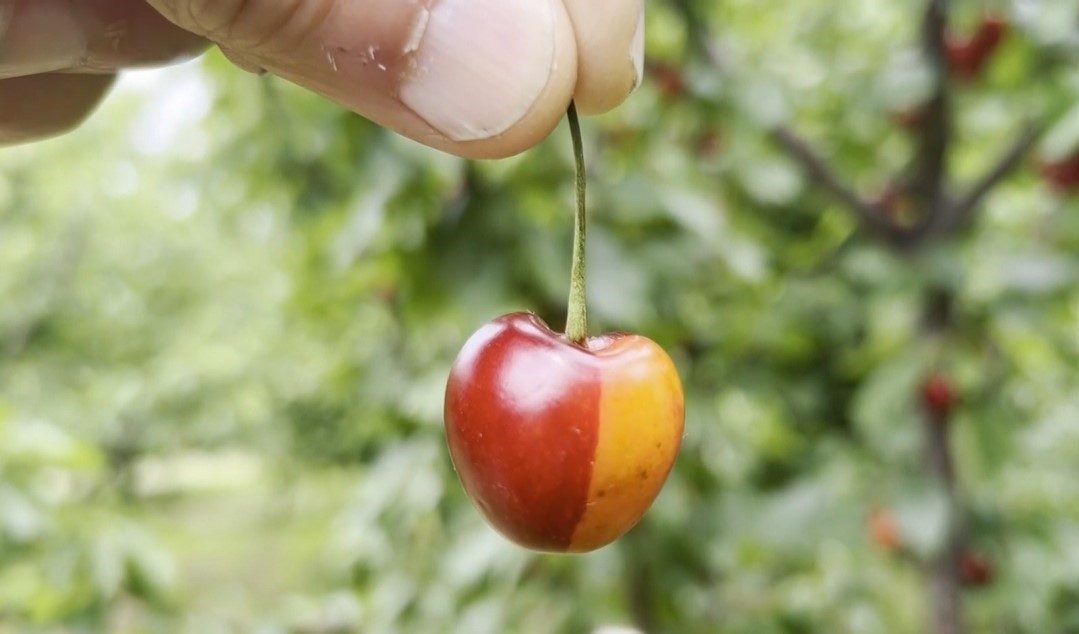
[[990, 34], [964, 59], [1062, 175], [911, 118], [563, 441], [968, 56], [938, 396], [670, 81], [975, 570], [884, 530]]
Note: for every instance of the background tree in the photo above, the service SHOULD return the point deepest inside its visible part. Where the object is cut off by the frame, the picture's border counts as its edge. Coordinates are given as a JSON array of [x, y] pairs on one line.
[[229, 311]]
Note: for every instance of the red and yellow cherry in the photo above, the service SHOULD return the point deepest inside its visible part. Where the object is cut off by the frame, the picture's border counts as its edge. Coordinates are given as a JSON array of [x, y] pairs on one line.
[[562, 447]]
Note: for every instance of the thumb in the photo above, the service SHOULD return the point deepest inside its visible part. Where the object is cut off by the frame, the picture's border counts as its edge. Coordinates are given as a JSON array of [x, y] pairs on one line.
[[477, 78]]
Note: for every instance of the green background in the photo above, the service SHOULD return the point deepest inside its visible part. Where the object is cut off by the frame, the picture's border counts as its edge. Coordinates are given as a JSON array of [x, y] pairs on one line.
[[228, 309]]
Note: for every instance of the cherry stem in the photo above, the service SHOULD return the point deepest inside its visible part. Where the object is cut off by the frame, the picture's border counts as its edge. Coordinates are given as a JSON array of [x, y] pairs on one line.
[[577, 314]]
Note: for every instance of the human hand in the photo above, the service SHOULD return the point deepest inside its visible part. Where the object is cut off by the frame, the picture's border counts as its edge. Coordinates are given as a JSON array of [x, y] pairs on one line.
[[477, 78]]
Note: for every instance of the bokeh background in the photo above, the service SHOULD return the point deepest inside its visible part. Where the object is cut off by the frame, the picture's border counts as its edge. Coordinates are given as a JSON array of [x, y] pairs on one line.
[[228, 309]]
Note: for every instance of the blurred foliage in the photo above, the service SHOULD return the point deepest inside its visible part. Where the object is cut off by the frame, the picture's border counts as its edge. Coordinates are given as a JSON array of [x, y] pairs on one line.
[[229, 309]]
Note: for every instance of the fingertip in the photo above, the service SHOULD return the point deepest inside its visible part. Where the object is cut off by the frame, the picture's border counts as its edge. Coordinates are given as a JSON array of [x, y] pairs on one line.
[[610, 44], [476, 78], [43, 36], [481, 67], [531, 115], [36, 107]]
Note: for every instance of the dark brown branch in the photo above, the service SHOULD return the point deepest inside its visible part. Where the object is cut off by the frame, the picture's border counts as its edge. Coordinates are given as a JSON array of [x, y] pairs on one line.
[[945, 585], [870, 216], [930, 190], [931, 162], [814, 165], [699, 36], [943, 571], [967, 206]]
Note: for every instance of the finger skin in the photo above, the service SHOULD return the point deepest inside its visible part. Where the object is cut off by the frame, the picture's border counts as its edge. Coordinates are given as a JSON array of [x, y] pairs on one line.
[[358, 53], [362, 54], [40, 36], [58, 58], [132, 34], [40, 106], [610, 51]]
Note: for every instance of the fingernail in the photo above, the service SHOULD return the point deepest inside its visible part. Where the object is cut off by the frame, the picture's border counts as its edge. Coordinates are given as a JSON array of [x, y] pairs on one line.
[[40, 37], [479, 65], [636, 51]]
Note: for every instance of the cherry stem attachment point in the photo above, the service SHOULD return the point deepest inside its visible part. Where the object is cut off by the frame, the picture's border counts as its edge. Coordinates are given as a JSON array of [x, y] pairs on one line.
[[577, 314]]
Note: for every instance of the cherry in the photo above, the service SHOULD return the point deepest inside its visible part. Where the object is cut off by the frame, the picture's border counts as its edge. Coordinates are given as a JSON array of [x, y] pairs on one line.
[[963, 59], [884, 530], [975, 570], [563, 447], [938, 396], [669, 80], [895, 202], [911, 118], [1062, 175], [990, 33], [563, 441], [967, 56]]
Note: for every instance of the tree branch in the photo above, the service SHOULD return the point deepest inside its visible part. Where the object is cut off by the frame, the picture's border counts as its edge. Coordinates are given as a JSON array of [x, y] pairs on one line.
[[870, 216], [931, 162], [964, 209], [945, 585], [814, 165], [699, 36], [929, 188]]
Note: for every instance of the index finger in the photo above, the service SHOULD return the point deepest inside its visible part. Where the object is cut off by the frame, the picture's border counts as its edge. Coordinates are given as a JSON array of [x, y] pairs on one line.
[[41, 36]]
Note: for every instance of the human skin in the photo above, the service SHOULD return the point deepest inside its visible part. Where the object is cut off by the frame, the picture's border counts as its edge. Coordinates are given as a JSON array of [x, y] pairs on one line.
[[476, 78]]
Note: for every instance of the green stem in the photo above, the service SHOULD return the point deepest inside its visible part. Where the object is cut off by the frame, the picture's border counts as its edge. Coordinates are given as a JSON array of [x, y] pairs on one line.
[[577, 314]]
